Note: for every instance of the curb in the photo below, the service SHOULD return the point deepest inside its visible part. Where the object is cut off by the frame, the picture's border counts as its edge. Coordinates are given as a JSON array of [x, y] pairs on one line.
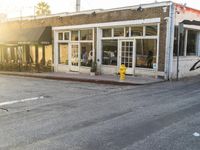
[[74, 79]]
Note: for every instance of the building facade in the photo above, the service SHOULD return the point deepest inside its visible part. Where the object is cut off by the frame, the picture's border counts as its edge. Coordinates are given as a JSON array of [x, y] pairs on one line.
[[143, 38]]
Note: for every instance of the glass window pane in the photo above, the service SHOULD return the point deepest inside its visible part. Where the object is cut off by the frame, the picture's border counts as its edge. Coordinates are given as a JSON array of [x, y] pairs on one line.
[[23, 55], [40, 54], [74, 36], [127, 31], [137, 31], [107, 32], [86, 34], [151, 30], [13, 53], [48, 55], [191, 43], [110, 48], [118, 32], [86, 54], [146, 53], [66, 36], [5, 55], [63, 54], [74, 55], [32, 54], [20, 54], [1, 54], [60, 36], [9, 54]]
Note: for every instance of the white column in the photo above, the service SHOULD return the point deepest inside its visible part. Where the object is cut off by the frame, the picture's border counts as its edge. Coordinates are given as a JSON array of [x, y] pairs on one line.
[[55, 48], [169, 43], [158, 50], [98, 49]]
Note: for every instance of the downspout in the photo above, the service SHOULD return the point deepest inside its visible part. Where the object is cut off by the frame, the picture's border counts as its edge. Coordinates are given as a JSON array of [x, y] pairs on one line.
[[170, 42]]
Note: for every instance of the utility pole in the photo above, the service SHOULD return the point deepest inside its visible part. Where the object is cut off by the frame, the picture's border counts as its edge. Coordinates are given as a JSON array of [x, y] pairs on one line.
[[78, 5]]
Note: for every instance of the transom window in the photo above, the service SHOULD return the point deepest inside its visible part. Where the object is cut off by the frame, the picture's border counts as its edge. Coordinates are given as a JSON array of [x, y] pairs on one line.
[[86, 35], [137, 31], [66, 35], [60, 36], [151, 30], [63, 36], [131, 31], [107, 32], [118, 32], [76, 35]]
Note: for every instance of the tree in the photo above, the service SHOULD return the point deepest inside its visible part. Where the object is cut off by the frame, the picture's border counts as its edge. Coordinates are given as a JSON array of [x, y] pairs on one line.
[[42, 9]]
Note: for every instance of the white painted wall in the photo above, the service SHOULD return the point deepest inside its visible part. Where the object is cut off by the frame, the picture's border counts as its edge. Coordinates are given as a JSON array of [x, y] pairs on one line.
[[185, 64], [106, 69], [62, 68], [66, 68], [186, 14]]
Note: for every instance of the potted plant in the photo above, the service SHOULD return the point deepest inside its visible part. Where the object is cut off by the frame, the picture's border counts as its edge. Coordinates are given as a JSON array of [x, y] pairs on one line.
[[93, 69]]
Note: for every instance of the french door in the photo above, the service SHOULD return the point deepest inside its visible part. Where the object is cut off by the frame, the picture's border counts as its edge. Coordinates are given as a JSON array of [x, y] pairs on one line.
[[74, 57], [127, 55]]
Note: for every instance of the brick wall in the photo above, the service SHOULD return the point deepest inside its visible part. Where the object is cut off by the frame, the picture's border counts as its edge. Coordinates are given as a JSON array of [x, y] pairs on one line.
[[119, 15]]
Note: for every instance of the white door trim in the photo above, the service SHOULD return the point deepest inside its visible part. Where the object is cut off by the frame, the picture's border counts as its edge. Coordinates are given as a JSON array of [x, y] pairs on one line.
[[129, 70]]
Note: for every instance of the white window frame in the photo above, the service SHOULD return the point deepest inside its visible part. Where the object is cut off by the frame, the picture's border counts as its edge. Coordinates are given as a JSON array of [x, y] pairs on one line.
[[69, 42], [98, 39], [197, 52], [63, 39], [157, 37]]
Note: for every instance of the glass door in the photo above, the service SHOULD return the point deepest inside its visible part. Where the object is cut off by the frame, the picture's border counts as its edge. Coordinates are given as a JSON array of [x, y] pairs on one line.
[[75, 57], [127, 55]]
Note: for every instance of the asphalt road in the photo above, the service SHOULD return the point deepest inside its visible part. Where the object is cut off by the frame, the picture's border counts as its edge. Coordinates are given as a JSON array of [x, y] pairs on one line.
[[40, 114]]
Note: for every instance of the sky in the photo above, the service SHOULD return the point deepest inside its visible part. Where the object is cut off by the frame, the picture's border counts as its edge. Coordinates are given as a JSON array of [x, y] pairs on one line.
[[17, 8]]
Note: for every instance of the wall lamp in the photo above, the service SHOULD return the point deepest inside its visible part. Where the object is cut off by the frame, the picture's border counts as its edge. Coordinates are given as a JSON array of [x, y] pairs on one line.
[[140, 8], [60, 18], [94, 13]]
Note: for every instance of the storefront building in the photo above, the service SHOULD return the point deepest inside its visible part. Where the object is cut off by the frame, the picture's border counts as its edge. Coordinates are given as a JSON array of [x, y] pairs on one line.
[[129, 36], [142, 37]]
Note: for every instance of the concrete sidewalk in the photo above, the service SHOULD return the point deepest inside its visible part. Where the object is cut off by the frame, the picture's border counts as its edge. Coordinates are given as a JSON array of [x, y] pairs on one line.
[[79, 77]]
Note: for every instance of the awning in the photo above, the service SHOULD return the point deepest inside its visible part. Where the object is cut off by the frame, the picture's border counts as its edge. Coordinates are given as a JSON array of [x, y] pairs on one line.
[[39, 35], [194, 22]]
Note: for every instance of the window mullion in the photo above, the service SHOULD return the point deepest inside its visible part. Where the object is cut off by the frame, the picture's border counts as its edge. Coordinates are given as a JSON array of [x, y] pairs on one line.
[[185, 42]]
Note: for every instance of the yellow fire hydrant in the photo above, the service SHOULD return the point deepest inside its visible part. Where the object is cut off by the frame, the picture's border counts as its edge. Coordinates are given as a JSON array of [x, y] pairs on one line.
[[122, 72]]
